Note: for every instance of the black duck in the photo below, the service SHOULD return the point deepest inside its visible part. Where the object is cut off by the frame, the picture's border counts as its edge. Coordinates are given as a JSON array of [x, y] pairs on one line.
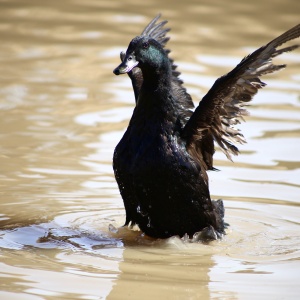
[[162, 160]]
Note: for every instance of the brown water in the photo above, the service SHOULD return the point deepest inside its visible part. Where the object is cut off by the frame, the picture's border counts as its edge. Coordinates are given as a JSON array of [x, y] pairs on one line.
[[62, 113]]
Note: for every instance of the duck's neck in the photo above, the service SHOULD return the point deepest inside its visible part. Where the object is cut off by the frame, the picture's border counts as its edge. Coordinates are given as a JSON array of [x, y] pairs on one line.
[[156, 91]]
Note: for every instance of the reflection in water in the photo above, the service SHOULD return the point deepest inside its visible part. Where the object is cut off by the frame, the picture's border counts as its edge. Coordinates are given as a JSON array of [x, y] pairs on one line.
[[62, 112], [175, 268]]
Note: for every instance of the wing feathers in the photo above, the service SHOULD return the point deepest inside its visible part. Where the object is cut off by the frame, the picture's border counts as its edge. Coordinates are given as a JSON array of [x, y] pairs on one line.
[[223, 106]]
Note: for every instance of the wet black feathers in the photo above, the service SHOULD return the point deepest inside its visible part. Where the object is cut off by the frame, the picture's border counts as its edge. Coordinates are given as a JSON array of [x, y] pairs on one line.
[[162, 160], [223, 106]]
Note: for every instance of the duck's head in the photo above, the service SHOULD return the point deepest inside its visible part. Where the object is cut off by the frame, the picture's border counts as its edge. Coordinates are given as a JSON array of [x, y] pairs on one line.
[[144, 52]]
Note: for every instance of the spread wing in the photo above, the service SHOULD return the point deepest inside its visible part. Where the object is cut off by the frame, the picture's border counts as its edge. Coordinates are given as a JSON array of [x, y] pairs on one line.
[[156, 30], [223, 106]]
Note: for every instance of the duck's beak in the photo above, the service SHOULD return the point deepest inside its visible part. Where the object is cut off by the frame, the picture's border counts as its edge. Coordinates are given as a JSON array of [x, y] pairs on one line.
[[128, 63]]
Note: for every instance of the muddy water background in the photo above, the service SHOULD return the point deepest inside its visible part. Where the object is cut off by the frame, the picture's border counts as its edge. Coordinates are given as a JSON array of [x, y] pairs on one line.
[[62, 111]]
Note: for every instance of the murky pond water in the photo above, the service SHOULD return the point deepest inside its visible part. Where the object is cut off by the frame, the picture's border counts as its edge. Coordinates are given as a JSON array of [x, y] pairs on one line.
[[62, 113]]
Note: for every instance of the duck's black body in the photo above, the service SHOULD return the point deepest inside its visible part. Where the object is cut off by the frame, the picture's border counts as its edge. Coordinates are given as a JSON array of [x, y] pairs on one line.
[[162, 185], [161, 162]]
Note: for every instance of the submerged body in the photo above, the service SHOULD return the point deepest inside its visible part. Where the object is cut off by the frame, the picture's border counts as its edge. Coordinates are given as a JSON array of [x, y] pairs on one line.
[[162, 160]]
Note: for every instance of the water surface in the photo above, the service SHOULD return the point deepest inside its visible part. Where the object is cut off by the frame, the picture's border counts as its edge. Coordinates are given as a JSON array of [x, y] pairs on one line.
[[62, 112]]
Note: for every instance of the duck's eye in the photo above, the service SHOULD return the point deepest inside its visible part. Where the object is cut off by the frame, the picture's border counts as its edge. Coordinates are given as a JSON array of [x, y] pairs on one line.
[[145, 45], [129, 58]]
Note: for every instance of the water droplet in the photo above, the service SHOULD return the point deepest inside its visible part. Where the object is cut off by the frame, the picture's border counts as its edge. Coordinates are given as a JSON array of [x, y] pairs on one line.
[[149, 223], [139, 211]]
